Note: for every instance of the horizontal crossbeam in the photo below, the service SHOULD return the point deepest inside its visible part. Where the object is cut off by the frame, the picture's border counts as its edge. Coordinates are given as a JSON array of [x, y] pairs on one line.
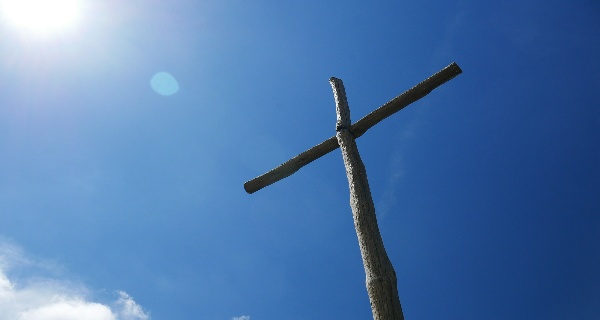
[[357, 129]]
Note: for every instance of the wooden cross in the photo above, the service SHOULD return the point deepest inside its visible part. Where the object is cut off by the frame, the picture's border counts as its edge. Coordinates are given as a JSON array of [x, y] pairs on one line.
[[380, 274]]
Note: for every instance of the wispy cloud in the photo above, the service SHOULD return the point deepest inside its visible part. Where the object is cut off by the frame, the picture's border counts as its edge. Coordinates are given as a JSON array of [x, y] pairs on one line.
[[397, 166], [241, 318], [129, 309], [42, 298]]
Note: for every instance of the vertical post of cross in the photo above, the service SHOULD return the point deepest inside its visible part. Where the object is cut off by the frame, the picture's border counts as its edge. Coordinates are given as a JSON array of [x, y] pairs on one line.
[[380, 274]]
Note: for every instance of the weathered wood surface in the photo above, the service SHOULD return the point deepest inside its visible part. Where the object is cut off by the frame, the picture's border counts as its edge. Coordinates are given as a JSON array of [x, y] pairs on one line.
[[357, 129], [380, 275]]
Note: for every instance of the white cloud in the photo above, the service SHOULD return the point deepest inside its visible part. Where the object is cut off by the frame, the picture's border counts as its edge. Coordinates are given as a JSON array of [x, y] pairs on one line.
[[241, 318], [37, 298], [129, 309], [68, 310]]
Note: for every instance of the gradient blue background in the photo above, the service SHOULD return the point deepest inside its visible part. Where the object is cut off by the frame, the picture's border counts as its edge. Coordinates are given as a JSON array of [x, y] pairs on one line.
[[487, 191]]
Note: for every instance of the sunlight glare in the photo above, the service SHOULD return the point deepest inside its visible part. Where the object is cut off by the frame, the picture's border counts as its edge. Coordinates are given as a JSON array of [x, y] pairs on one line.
[[41, 16]]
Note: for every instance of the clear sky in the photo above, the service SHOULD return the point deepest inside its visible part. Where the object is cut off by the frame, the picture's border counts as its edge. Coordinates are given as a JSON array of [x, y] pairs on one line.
[[127, 130]]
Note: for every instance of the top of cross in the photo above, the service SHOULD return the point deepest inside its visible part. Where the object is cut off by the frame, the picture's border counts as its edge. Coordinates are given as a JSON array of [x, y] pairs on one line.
[[358, 128]]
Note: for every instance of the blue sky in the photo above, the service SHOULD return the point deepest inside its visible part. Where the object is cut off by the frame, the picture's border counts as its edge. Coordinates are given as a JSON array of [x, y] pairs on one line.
[[119, 202]]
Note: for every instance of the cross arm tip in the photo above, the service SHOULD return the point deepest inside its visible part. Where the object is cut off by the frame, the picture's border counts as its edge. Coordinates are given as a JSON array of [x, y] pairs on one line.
[[455, 67]]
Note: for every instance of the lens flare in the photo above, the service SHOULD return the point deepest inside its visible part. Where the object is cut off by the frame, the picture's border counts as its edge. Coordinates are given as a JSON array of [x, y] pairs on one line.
[[164, 84]]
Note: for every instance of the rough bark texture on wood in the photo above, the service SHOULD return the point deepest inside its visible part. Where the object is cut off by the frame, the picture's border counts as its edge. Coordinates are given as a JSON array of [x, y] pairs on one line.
[[358, 129], [380, 274], [289, 167], [409, 96]]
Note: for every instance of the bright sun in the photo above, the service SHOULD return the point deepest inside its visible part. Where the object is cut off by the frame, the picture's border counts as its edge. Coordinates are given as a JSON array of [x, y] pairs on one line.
[[41, 17]]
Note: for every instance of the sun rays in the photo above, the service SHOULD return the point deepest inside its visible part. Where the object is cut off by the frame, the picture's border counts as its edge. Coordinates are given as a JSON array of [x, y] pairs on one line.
[[41, 17]]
